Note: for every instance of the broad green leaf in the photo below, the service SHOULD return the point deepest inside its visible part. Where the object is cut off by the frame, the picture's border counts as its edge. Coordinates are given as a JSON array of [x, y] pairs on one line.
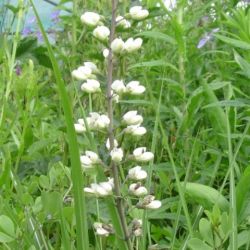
[[228, 103], [197, 244], [205, 196], [7, 229], [234, 42], [243, 195], [243, 238], [206, 230], [52, 203]]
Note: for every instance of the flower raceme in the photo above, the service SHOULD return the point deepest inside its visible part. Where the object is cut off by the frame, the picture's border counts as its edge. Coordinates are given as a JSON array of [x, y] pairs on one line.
[[132, 118], [101, 189], [101, 32], [141, 154], [91, 86], [138, 13], [90, 18]]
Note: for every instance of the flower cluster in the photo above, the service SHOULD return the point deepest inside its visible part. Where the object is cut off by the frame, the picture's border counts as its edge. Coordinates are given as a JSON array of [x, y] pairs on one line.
[[131, 121]]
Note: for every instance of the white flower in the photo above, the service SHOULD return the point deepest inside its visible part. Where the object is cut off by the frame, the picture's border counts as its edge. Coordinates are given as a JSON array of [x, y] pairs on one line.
[[118, 86], [149, 202], [116, 154], [97, 121], [91, 86], [79, 128], [137, 173], [132, 45], [92, 66], [131, 118], [122, 22], [137, 13], [101, 32], [117, 45], [169, 4], [137, 189], [102, 229], [89, 159], [90, 18], [108, 144], [92, 156], [142, 155], [136, 130], [105, 53], [135, 88], [102, 122], [154, 204], [81, 73], [102, 189]]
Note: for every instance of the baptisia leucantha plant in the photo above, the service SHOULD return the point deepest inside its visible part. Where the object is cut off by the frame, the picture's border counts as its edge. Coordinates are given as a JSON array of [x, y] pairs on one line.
[[131, 180]]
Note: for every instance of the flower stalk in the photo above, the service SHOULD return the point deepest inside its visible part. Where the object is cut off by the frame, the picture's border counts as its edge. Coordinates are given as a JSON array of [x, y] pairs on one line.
[[114, 167]]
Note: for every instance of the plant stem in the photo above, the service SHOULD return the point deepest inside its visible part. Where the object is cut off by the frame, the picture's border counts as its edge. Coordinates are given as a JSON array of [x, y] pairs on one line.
[[115, 172]]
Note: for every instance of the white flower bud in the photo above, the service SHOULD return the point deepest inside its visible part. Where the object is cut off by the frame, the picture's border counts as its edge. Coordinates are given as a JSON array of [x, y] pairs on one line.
[[142, 155], [79, 128], [137, 13], [105, 53], [136, 130], [122, 22], [90, 18], [91, 86], [117, 45], [137, 189], [131, 118], [108, 144], [101, 32], [116, 154], [89, 160], [92, 66], [137, 173], [132, 45], [115, 97], [135, 88], [118, 86], [149, 202], [81, 73]]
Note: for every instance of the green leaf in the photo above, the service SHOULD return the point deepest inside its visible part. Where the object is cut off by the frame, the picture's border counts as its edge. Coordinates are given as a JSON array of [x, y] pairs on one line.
[[206, 231], [244, 65], [7, 229], [197, 244], [154, 63], [243, 195], [205, 195], [52, 203], [234, 42], [158, 36]]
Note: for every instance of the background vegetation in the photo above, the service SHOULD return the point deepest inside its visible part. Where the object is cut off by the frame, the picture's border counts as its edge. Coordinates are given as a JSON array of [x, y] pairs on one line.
[[196, 110]]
